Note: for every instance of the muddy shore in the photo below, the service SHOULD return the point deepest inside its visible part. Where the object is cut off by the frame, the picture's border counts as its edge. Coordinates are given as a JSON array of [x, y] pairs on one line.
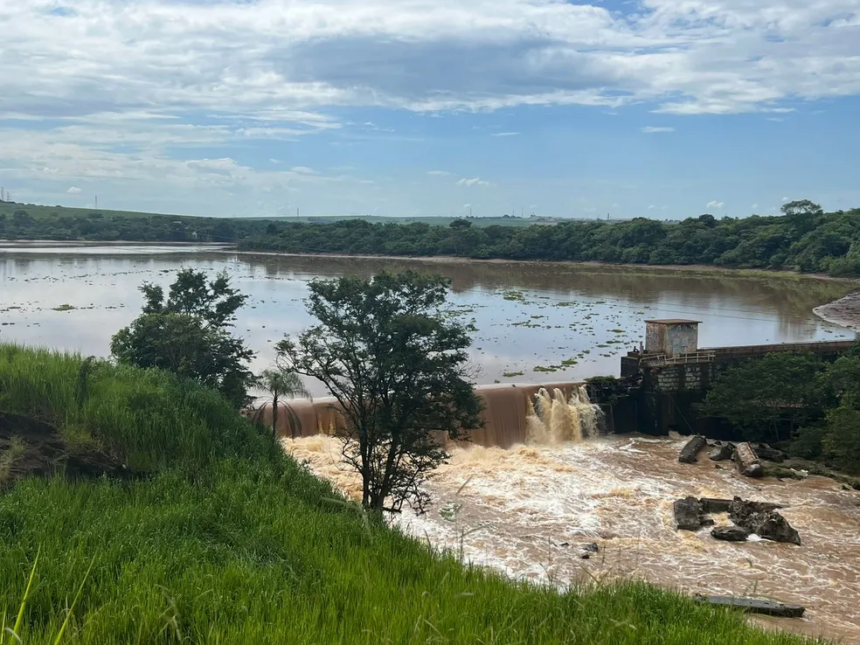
[[844, 312]]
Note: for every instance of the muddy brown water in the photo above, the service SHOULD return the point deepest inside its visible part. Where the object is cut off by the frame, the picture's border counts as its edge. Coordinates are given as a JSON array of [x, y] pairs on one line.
[[515, 509], [531, 317]]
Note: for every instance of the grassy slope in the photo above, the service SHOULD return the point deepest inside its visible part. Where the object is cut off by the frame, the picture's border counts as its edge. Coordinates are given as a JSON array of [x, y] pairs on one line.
[[41, 212], [232, 542]]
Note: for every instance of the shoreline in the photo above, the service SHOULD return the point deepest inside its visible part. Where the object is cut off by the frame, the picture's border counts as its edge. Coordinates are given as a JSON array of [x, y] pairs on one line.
[[694, 269], [844, 312]]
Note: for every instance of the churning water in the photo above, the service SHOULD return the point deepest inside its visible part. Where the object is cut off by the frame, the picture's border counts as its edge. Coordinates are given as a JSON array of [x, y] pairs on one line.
[[528, 509]]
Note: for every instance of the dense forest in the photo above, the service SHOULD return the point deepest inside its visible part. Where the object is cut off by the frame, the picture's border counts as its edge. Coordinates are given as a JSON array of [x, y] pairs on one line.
[[804, 238]]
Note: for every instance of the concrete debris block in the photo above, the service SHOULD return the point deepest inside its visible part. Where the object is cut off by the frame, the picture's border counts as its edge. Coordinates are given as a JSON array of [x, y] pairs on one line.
[[688, 514], [756, 606], [730, 533], [691, 450], [722, 452], [763, 520], [747, 461]]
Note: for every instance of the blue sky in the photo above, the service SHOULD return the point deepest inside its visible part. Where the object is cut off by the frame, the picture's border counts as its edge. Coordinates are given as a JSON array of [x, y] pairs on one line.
[[657, 108]]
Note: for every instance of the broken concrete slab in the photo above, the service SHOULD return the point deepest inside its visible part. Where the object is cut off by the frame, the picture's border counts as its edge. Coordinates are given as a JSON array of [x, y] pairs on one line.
[[692, 449]]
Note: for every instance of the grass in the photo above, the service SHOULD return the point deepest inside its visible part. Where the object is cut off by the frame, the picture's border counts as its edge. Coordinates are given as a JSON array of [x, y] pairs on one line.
[[229, 541]]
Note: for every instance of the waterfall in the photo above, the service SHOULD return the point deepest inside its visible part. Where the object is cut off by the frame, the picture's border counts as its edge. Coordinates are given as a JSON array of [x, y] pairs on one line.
[[554, 419]]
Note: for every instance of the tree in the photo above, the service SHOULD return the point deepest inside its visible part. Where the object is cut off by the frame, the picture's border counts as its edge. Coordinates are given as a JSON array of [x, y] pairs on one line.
[[760, 395], [397, 365], [188, 333], [460, 224], [282, 383]]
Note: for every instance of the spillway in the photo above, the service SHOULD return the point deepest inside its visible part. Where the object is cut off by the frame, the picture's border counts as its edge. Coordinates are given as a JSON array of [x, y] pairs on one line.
[[549, 414]]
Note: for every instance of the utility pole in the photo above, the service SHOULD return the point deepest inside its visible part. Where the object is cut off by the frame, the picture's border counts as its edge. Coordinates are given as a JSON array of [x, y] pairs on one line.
[[97, 202]]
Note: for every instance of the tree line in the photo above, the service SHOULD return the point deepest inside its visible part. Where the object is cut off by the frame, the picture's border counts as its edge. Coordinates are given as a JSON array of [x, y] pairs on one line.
[[803, 238], [806, 404]]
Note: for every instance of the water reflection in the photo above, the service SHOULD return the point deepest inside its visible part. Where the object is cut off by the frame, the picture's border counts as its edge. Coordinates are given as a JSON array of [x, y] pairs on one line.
[[528, 315]]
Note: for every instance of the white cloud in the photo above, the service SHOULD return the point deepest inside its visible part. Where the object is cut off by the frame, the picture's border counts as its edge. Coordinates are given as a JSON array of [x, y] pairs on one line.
[[651, 207], [474, 181], [438, 173], [506, 134], [137, 90], [715, 204], [754, 206], [303, 170], [74, 190], [269, 58]]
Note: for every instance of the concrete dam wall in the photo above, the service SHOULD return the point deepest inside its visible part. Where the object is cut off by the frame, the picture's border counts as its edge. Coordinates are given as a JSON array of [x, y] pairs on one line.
[[513, 414]]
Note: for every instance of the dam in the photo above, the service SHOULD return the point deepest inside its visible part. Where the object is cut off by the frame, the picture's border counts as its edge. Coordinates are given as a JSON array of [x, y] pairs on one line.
[[546, 475], [513, 414], [661, 384]]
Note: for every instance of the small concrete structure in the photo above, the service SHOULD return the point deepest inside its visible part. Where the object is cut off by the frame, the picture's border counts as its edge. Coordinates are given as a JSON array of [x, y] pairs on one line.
[[671, 337]]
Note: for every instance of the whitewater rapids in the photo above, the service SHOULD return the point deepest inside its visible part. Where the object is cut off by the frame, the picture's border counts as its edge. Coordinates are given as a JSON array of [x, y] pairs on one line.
[[528, 501]]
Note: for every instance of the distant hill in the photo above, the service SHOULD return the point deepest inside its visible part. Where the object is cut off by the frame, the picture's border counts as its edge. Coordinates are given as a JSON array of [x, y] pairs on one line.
[[40, 212]]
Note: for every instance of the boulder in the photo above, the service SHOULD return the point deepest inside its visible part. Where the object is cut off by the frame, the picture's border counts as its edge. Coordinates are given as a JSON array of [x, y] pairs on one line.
[[763, 520], [747, 461], [688, 514], [730, 533], [711, 505], [689, 452], [588, 550], [764, 451], [722, 452]]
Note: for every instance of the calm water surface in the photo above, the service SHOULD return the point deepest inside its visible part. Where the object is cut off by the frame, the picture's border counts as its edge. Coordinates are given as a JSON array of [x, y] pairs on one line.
[[530, 317]]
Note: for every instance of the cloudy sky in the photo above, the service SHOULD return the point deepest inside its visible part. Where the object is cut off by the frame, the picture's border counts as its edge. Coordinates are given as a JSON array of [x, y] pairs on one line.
[[661, 108]]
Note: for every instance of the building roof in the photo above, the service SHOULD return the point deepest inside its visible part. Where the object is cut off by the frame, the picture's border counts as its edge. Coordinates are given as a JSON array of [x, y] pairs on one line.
[[675, 321]]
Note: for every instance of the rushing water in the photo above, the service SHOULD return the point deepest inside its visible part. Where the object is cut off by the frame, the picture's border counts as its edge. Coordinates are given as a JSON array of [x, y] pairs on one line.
[[536, 322], [528, 510]]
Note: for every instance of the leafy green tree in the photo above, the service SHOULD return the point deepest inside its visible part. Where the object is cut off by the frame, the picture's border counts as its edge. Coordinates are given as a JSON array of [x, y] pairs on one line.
[[282, 383], [761, 395], [398, 367], [188, 333], [841, 438]]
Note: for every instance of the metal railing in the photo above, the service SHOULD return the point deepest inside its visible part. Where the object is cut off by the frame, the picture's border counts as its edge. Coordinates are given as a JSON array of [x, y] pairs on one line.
[[681, 359]]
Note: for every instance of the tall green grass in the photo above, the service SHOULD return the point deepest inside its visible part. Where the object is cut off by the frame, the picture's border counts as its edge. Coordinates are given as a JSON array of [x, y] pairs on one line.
[[228, 541]]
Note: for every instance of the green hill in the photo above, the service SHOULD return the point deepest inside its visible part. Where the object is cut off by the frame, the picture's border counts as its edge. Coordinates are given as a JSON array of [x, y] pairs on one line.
[[213, 535]]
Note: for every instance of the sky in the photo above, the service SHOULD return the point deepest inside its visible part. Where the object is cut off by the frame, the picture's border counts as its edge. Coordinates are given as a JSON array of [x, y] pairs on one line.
[[628, 108]]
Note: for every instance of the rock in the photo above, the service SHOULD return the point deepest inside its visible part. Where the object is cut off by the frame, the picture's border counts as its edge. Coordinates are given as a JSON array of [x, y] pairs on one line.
[[756, 606], [711, 505], [856, 486], [763, 520], [764, 451], [689, 452], [747, 462], [722, 453], [730, 533], [688, 514], [588, 550]]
